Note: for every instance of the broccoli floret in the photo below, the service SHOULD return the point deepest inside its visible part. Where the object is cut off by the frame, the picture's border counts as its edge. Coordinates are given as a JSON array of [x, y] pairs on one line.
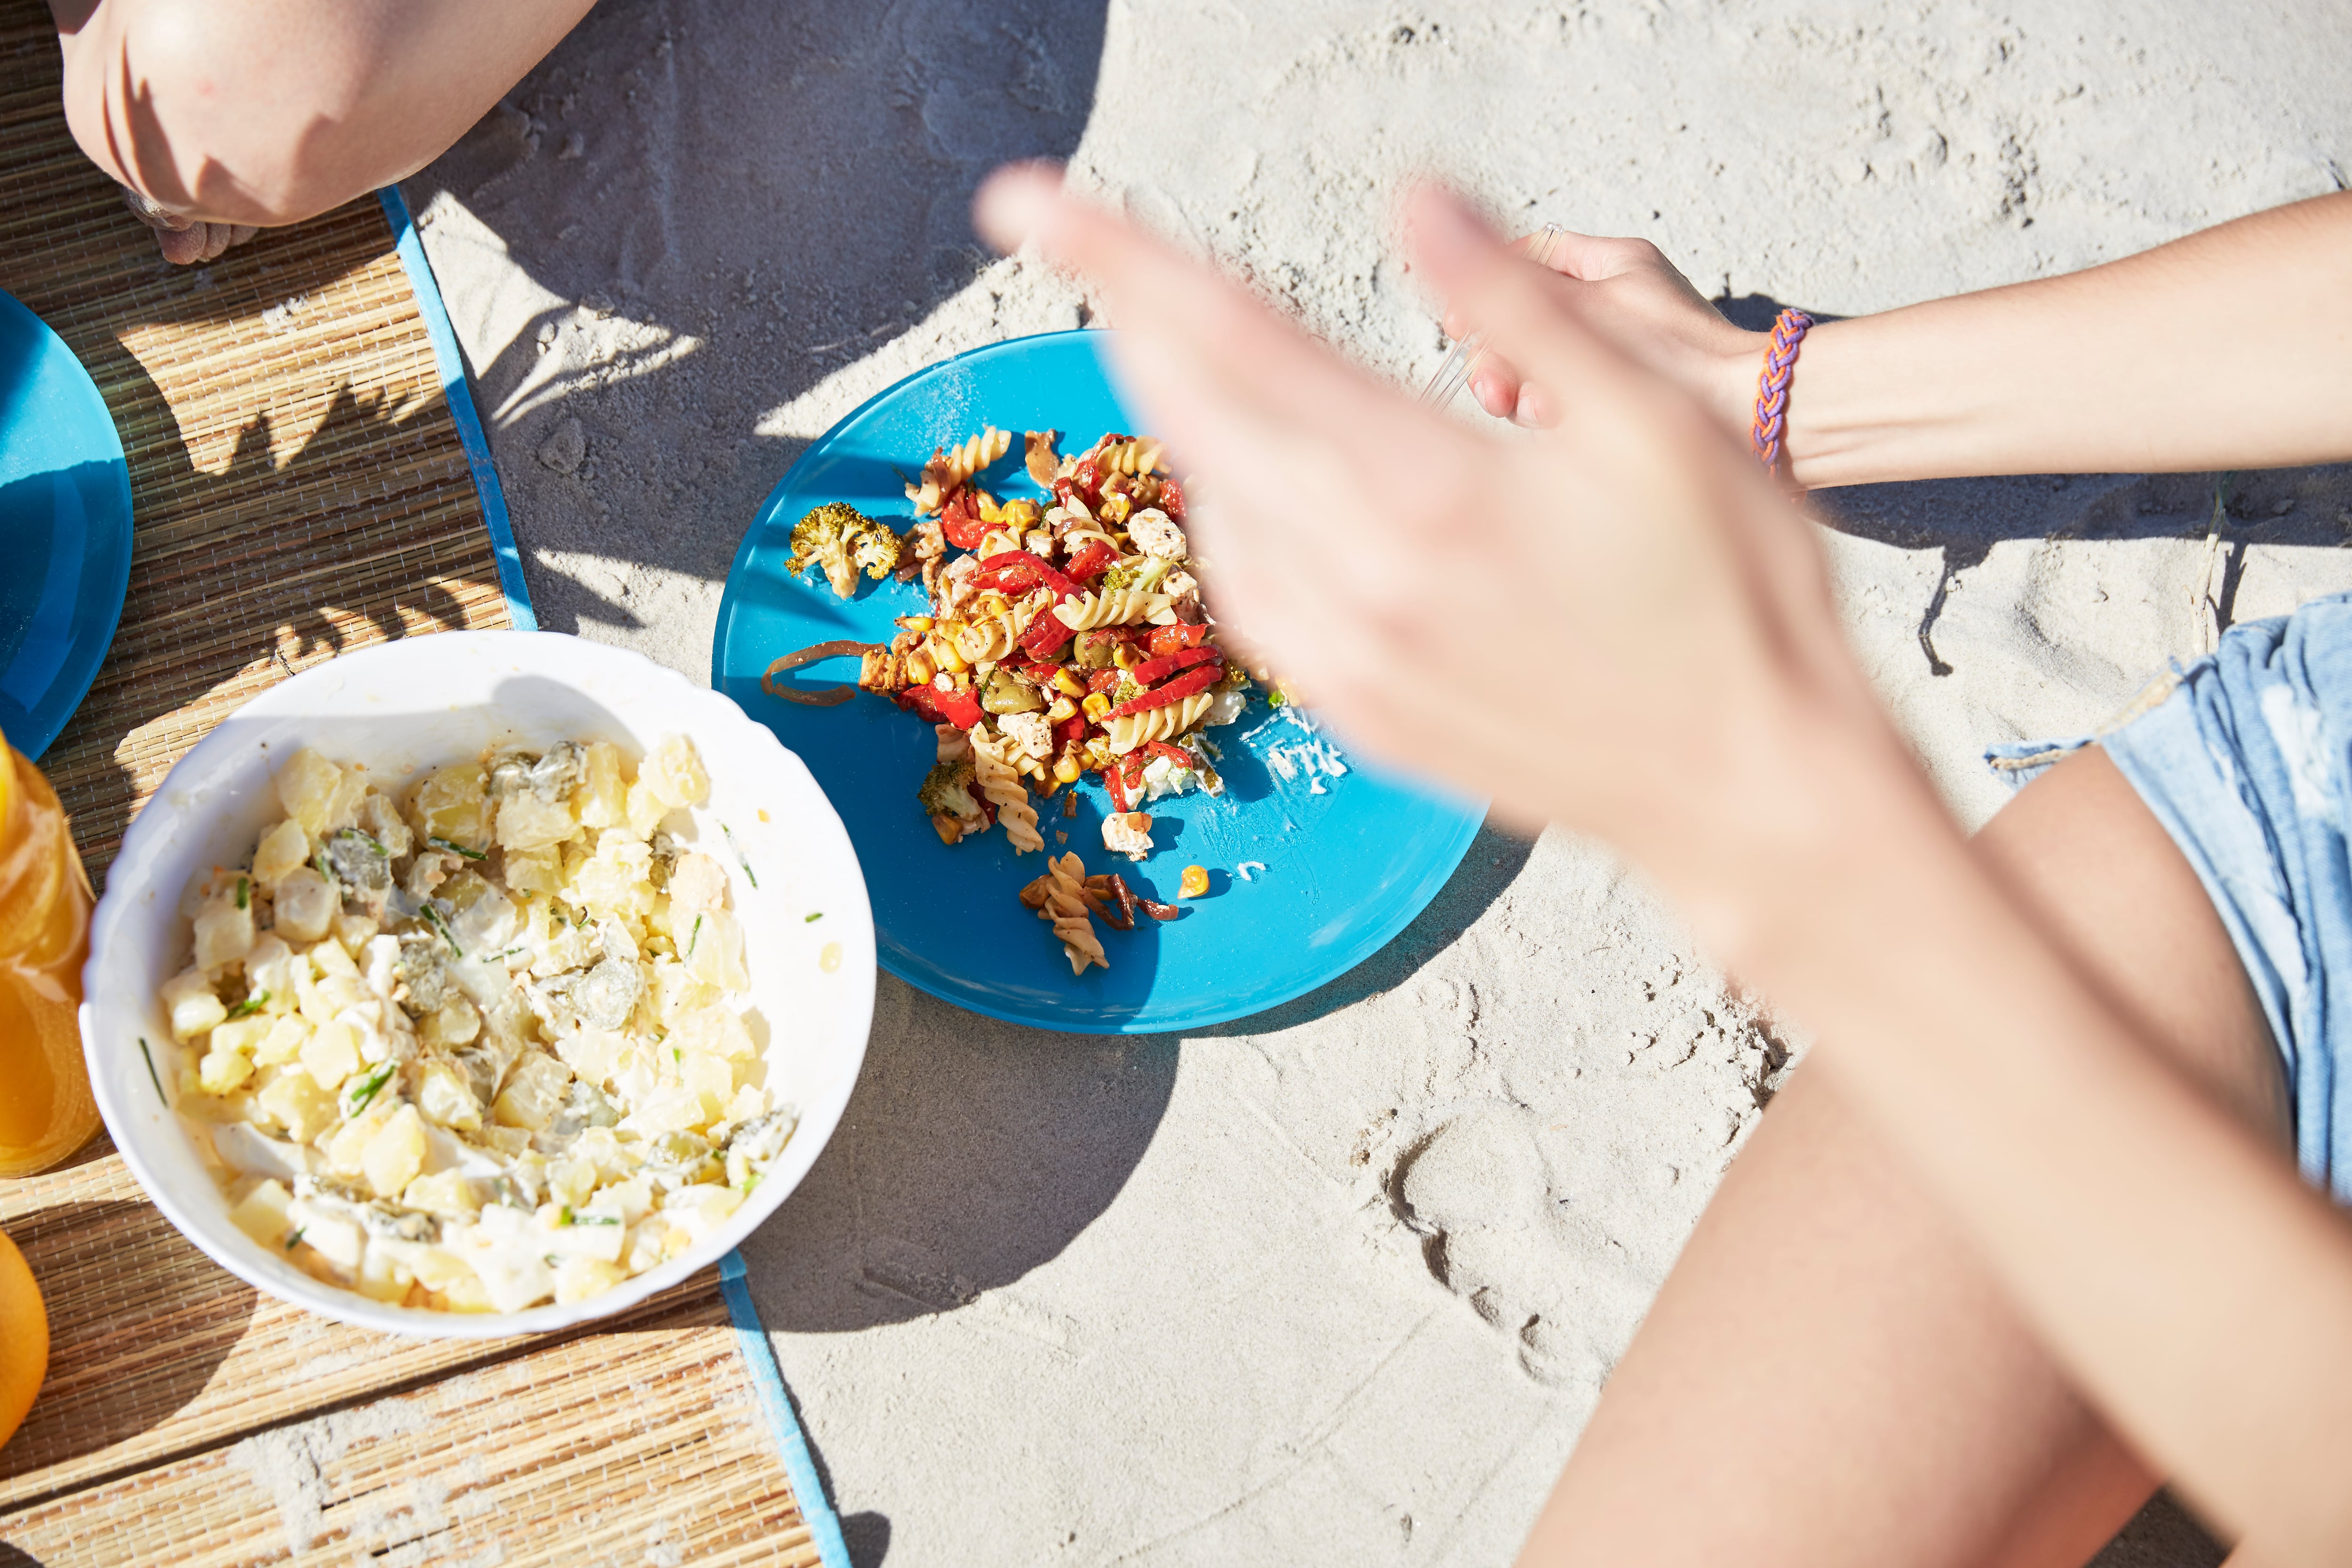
[[946, 791], [1142, 575], [841, 540], [1125, 692]]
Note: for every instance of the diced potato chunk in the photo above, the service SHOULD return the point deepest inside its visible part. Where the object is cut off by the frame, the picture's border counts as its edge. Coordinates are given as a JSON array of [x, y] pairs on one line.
[[716, 1028], [346, 1152], [333, 958], [577, 1279], [714, 955], [674, 773], [281, 849], [381, 818], [298, 1102], [225, 932], [710, 1077], [268, 968], [569, 1182], [533, 1092], [339, 1240], [645, 809], [188, 998], [318, 794], [352, 933], [594, 1053], [602, 800], [284, 1042], [395, 1155], [262, 1215], [332, 1054], [222, 1070], [382, 1276], [535, 870], [616, 880], [449, 805], [242, 1035], [306, 905], [701, 1210], [454, 1023], [321, 999], [527, 822], [446, 1099]]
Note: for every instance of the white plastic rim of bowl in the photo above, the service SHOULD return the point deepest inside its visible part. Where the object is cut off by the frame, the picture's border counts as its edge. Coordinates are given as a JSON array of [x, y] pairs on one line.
[[401, 707]]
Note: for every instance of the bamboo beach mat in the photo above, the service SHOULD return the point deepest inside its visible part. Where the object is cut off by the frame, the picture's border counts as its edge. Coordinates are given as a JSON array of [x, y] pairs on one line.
[[300, 487]]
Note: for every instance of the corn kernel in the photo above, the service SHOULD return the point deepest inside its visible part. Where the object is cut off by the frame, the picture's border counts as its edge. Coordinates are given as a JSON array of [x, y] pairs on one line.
[[1067, 682], [1067, 768], [1125, 657], [1062, 710], [915, 622], [1097, 705], [1194, 882]]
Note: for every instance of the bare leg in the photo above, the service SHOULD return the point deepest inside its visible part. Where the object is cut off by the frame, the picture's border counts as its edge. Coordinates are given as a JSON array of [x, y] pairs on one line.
[[1830, 1376]]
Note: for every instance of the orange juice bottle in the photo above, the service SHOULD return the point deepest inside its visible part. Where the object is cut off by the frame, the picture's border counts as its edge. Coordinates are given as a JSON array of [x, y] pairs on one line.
[[46, 1109]]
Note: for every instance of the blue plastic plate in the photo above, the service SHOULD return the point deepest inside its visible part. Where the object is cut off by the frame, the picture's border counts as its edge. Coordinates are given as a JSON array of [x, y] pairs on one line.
[[1347, 858], [65, 530]]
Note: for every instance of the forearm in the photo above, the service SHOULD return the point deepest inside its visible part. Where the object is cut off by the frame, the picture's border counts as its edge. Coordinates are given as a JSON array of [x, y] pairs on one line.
[[2228, 349], [269, 111], [2196, 1288]]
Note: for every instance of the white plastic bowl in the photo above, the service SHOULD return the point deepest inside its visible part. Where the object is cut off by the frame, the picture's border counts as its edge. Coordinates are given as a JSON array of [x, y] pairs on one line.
[[403, 706]]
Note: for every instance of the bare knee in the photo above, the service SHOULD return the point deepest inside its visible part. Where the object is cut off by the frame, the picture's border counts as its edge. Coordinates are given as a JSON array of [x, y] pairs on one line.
[[224, 110]]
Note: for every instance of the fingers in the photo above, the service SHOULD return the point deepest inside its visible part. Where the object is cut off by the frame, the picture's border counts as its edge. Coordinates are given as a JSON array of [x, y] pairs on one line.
[[182, 247]]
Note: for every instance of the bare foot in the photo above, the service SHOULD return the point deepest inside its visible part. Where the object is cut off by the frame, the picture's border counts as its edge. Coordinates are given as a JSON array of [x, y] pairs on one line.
[[183, 240]]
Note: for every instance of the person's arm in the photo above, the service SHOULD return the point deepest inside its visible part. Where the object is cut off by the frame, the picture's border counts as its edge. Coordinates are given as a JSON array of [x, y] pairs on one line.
[[272, 112], [2228, 349], [1651, 654]]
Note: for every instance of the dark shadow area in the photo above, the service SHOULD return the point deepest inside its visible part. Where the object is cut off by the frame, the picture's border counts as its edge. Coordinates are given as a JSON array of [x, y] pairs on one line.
[[973, 1151], [106, 1385], [714, 265], [16, 1557], [2162, 1535]]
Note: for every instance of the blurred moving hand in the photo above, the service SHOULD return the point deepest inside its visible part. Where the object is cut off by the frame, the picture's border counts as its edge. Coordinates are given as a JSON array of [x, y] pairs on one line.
[[1615, 624]]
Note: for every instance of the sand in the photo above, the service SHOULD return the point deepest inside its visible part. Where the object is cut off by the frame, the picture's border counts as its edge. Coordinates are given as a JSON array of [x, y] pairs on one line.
[[1337, 1283]]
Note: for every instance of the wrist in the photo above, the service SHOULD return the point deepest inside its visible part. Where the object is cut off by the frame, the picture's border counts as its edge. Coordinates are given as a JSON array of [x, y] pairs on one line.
[[1728, 388]]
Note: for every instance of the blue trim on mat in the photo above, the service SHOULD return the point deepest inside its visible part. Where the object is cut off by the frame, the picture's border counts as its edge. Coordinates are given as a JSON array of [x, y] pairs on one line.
[[460, 400], [800, 1467]]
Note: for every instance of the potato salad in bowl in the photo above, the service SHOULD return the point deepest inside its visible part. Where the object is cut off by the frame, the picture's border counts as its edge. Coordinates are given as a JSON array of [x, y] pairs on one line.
[[479, 1036]]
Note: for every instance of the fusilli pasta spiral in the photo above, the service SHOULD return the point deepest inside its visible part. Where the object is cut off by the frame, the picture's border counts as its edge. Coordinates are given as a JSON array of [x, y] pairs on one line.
[[1065, 907], [1115, 607], [1130, 730], [1128, 457], [950, 466], [955, 745], [993, 769]]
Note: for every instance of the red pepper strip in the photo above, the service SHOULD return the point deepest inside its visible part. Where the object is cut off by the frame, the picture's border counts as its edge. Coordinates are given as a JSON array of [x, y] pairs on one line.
[[1153, 671], [1090, 562], [1119, 796], [922, 702], [1071, 728], [1175, 754], [1165, 640], [960, 709], [1045, 637], [1177, 690], [959, 522], [1171, 500], [1011, 560], [1104, 681]]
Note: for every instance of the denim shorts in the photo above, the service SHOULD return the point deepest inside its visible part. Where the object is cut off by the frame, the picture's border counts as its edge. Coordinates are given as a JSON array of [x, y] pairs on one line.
[[2245, 757]]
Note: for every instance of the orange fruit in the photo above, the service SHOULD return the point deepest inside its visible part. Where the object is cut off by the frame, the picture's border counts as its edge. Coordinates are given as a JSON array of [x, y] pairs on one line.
[[24, 1338]]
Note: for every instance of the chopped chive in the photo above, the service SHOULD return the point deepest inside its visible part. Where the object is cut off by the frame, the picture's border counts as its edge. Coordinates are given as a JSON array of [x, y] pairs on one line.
[[245, 893], [695, 937], [591, 1218], [370, 1085], [433, 918], [813, 919], [738, 855], [456, 849], [564, 1214], [752, 1183], [151, 1076], [250, 1005], [296, 1239]]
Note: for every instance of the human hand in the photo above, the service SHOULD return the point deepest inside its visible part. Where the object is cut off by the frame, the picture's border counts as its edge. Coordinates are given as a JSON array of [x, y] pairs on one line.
[[186, 240], [1614, 623], [1628, 293]]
